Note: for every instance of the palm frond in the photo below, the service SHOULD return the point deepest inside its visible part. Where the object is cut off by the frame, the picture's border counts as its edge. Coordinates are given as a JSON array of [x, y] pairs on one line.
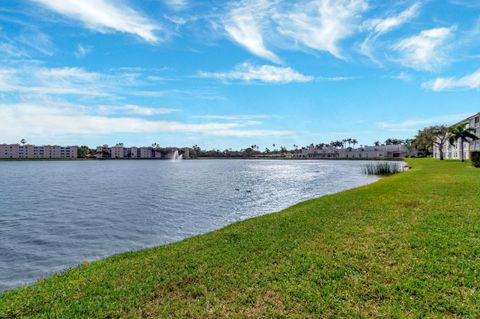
[[452, 140], [467, 134]]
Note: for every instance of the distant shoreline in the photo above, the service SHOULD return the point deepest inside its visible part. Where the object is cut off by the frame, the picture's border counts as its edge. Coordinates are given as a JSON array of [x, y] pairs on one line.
[[198, 158]]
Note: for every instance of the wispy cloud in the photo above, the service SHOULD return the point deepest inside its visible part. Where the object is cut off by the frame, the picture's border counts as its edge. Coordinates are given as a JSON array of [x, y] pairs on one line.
[[412, 125], [241, 117], [204, 94], [177, 4], [82, 50], [249, 133], [106, 16], [320, 24], [244, 26], [263, 73], [35, 41], [135, 110], [9, 51], [380, 26], [471, 81], [38, 120], [51, 81], [426, 51], [466, 3], [387, 24], [403, 76], [335, 78]]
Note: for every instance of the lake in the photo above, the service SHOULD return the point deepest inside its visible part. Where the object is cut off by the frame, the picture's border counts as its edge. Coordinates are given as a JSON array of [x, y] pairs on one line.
[[57, 214]]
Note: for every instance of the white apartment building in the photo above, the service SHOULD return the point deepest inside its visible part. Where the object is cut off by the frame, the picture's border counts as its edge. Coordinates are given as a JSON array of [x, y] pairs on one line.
[[381, 151], [119, 151], [17, 151], [315, 152], [366, 152], [453, 151]]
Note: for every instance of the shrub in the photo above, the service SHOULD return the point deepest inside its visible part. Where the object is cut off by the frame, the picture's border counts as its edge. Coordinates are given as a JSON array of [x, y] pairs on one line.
[[475, 157], [383, 168]]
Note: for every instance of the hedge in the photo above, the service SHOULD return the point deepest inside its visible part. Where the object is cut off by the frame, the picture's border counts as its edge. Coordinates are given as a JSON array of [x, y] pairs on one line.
[[475, 156]]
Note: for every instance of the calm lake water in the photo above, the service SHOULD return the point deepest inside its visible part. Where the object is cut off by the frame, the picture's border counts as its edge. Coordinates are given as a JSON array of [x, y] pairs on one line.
[[57, 214]]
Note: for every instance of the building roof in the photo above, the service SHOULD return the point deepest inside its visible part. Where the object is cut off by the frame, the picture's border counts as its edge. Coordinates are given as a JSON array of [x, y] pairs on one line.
[[475, 115], [466, 120]]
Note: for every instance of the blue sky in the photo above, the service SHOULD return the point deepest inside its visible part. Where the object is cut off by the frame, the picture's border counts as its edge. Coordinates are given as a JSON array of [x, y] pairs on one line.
[[226, 74]]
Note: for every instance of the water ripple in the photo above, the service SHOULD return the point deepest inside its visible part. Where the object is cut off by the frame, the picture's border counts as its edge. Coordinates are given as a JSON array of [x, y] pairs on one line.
[[55, 215]]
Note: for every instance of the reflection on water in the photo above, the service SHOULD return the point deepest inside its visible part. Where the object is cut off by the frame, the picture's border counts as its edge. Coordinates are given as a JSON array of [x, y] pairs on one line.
[[55, 215]]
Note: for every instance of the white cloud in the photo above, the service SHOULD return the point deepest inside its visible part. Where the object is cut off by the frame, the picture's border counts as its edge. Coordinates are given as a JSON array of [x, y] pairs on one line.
[[412, 125], [320, 24], [242, 117], [37, 41], [73, 74], [384, 25], [335, 78], [176, 4], [403, 76], [135, 109], [471, 81], [52, 119], [105, 15], [425, 51], [249, 133], [8, 50], [54, 81], [82, 51], [380, 26], [263, 73], [244, 25]]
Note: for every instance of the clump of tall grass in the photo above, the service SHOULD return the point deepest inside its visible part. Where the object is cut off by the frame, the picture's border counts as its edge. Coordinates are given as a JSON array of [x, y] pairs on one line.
[[382, 168]]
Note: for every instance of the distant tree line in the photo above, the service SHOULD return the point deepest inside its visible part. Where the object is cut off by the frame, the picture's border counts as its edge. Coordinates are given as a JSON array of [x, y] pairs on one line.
[[275, 150]]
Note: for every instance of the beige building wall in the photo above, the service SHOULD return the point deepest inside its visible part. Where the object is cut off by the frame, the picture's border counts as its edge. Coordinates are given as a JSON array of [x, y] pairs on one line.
[[32, 151], [453, 151], [146, 152], [116, 152], [132, 152]]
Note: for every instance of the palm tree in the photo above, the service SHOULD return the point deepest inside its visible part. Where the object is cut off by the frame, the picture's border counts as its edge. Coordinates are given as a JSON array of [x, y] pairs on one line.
[[23, 141], [461, 134], [376, 143], [354, 142], [349, 140], [336, 144]]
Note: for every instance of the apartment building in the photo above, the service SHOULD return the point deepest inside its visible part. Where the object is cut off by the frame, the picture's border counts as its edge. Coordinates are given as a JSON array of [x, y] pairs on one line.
[[315, 152], [453, 151], [380, 151], [17, 151], [145, 152], [365, 152], [118, 151]]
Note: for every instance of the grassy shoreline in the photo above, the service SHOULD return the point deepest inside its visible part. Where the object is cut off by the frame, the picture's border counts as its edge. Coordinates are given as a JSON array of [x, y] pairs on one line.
[[405, 246]]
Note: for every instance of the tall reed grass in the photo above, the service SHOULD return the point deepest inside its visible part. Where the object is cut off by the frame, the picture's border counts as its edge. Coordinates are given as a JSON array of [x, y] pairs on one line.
[[383, 168]]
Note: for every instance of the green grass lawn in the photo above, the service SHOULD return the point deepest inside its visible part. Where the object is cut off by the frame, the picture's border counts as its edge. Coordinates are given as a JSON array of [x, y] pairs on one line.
[[406, 246]]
